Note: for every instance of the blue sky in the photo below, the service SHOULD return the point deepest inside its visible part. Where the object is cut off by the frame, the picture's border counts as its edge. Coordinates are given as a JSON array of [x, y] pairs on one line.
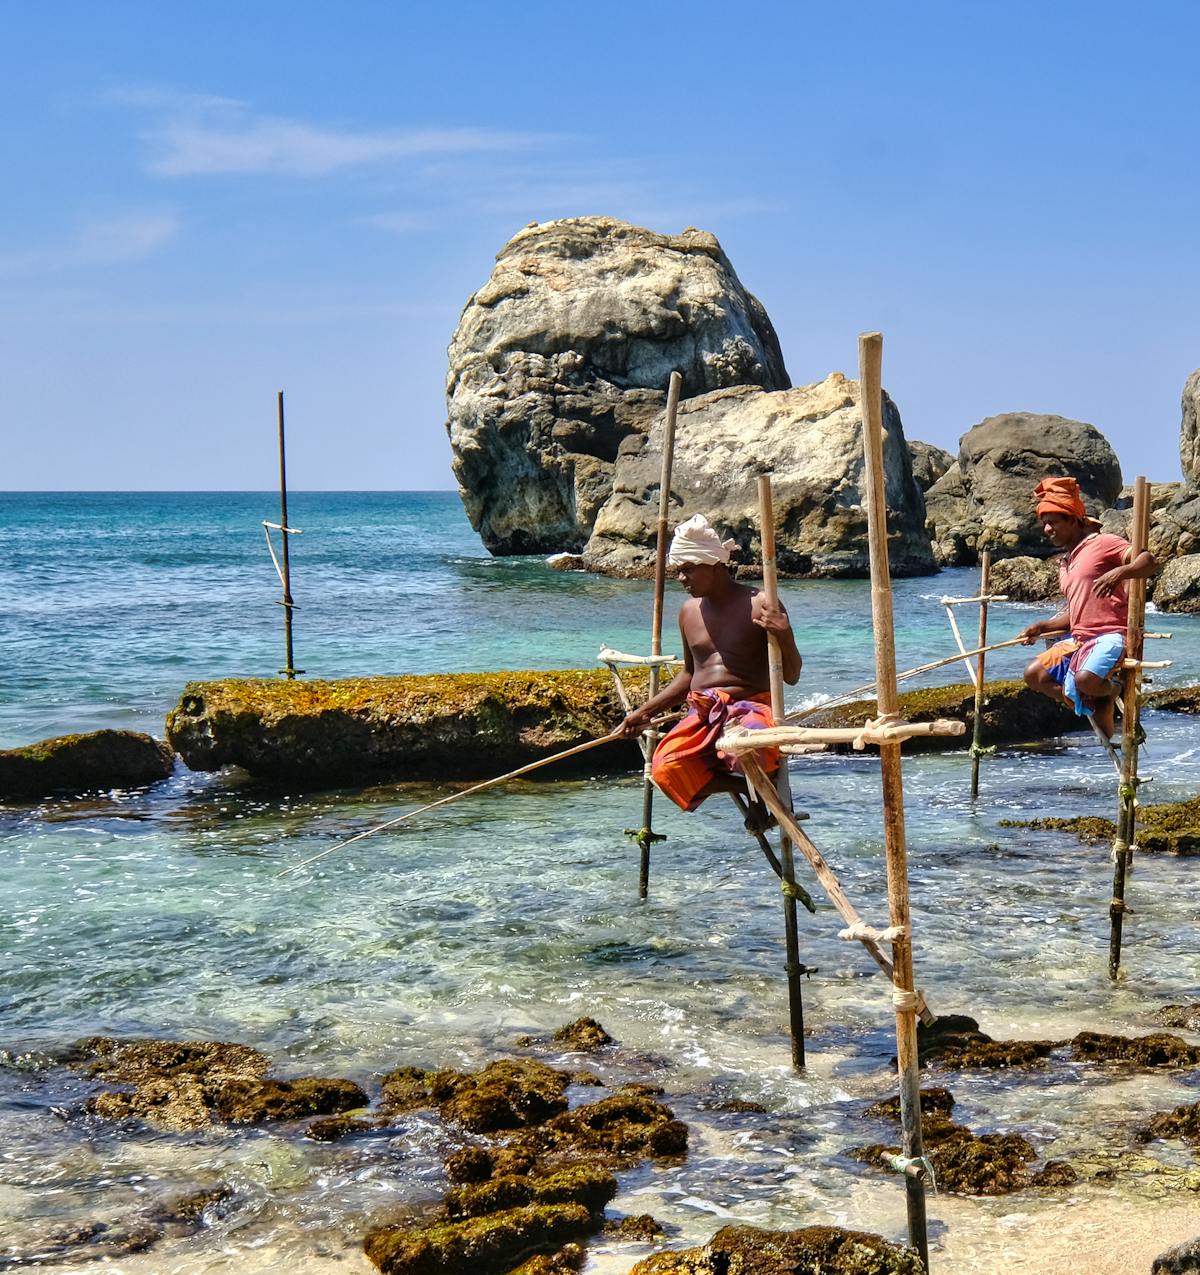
[[205, 203]]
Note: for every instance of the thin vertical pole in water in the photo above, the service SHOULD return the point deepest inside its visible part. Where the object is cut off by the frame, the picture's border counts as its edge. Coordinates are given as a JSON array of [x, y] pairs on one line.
[[782, 783], [1127, 790], [985, 576], [904, 996], [647, 836], [288, 605]]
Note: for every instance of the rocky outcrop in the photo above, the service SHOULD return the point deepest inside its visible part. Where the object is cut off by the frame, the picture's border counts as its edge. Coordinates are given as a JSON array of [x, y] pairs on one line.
[[98, 760], [748, 1250], [1189, 431], [1026, 579], [810, 440], [1177, 587], [929, 463], [985, 499], [464, 725], [567, 350]]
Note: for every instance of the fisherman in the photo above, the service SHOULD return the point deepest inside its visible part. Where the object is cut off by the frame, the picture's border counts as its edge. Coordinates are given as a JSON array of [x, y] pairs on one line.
[[1091, 573], [725, 678]]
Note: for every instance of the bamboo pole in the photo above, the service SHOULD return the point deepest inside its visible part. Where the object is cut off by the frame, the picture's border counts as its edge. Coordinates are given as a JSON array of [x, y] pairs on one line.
[[1127, 789], [458, 796], [646, 835], [962, 646], [870, 356], [985, 575], [766, 512], [288, 606]]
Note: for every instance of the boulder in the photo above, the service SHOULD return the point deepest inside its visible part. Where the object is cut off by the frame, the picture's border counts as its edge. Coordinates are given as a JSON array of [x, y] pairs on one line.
[[985, 499], [465, 725], [568, 349], [929, 463], [1026, 579], [100, 759], [810, 439], [1183, 1259], [1177, 587], [1189, 431]]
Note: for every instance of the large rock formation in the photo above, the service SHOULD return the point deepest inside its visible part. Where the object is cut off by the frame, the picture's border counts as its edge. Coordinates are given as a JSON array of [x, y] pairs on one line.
[[810, 439], [568, 349], [984, 501], [929, 463]]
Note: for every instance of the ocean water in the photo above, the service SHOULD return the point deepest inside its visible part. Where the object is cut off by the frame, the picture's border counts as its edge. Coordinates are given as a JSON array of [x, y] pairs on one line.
[[161, 912]]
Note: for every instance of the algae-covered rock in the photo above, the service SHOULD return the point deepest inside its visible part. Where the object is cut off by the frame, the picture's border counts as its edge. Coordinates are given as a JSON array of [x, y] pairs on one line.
[[812, 1250], [186, 1085], [490, 1245], [1182, 1259], [442, 725], [1185, 1016], [583, 1035], [1156, 1050], [936, 1100], [508, 1094], [617, 1130], [966, 1163], [1012, 713], [1171, 827], [100, 759], [579, 1184], [1182, 1122]]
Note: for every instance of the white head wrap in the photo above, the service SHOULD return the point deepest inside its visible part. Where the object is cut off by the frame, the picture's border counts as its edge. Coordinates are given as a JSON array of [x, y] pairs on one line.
[[695, 541]]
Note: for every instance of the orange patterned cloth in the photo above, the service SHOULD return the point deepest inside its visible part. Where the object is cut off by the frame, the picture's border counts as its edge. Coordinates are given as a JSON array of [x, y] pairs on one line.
[[686, 759]]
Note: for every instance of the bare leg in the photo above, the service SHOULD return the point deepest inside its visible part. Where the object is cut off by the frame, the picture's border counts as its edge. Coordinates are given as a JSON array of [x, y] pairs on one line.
[[1103, 693]]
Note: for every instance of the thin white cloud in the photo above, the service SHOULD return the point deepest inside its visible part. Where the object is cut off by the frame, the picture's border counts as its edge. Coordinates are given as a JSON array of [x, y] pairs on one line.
[[399, 223], [196, 135], [95, 244]]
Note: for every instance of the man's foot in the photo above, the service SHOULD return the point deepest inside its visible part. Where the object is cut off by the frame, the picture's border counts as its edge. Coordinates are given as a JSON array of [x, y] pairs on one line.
[[758, 818]]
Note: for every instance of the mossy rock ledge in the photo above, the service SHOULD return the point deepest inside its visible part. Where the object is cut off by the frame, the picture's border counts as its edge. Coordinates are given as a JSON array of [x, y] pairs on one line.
[[747, 1250], [1012, 714], [438, 726], [97, 760]]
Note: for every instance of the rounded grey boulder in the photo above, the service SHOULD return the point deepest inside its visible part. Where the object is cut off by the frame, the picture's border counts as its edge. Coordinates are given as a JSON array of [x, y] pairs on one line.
[[568, 349]]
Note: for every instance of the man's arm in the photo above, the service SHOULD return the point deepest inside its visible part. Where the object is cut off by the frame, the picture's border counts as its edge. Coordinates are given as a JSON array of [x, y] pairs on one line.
[[1061, 623], [1141, 568], [675, 692], [774, 618]]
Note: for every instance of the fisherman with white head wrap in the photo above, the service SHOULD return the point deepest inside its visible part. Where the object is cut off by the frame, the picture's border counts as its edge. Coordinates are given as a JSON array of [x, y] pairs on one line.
[[724, 627]]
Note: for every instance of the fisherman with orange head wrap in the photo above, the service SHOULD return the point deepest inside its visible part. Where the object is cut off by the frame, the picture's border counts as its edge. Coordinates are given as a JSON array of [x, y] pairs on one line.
[[724, 627], [1092, 573]]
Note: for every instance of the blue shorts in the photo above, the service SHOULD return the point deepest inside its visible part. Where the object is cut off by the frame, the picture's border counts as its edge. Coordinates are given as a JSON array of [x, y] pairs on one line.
[[1098, 655]]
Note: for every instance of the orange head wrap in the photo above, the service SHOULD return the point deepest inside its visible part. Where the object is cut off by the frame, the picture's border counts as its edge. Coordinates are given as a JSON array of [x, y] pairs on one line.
[[1061, 496]]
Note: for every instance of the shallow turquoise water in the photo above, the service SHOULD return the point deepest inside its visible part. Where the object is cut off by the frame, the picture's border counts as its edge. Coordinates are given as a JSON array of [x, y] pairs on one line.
[[161, 912]]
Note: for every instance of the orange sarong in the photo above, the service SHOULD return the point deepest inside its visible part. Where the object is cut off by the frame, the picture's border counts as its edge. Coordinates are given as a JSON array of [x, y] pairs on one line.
[[687, 757]]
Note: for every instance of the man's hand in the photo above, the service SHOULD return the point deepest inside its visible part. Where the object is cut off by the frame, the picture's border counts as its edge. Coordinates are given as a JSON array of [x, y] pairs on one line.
[[1104, 586], [635, 723], [1032, 632], [772, 617]]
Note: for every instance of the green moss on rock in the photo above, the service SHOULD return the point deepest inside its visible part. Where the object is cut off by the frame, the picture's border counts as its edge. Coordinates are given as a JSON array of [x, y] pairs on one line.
[[812, 1250], [462, 725], [1171, 827], [490, 1245], [97, 760]]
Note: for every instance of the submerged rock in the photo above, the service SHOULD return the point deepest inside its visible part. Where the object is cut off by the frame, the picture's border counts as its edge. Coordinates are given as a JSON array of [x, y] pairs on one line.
[[463, 725], [1185, 1016], [1156, 1050], [810, 440], [568, 349], [954, 1042], [186, 1085], [1171, 828], [100, 759], [747, 1250], [1183, 1259], [1182, 1122]]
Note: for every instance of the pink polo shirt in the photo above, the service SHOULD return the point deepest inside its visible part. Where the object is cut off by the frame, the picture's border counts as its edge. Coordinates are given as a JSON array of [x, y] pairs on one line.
[[1078, 571]]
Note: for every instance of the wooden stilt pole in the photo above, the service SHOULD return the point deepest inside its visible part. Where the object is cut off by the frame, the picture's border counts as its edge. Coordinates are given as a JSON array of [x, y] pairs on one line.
[[288, 605], [646, 835], [870, 356], [795, 970], [1130, 732], [985, 575]]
